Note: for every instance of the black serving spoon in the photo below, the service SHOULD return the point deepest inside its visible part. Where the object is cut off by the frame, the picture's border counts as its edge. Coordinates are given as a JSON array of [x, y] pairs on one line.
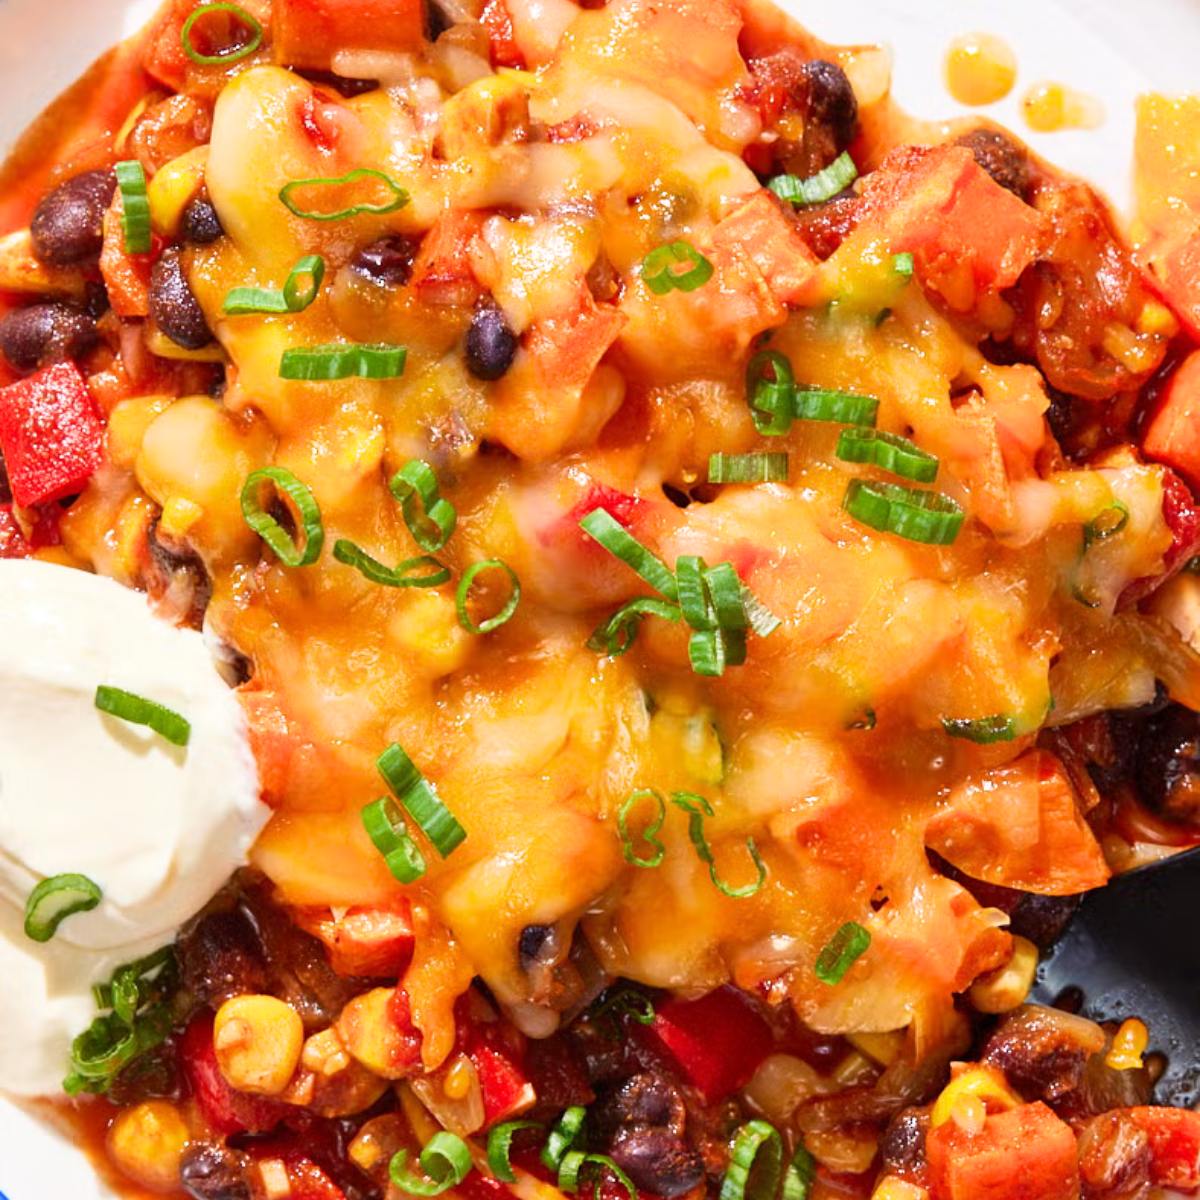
[[1133, 950]]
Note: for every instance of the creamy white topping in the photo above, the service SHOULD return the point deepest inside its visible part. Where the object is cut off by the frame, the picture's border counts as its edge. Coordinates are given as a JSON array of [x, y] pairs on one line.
[[159, 828]]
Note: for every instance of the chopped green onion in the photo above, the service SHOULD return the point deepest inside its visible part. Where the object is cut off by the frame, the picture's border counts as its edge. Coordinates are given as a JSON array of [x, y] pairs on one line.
[[342, 360], [984, 731], [748, 468], [903, 264], [137, 710], [629, 1002], [499, 1148], [564, 1133], [697, 808], [230, 54], [931, 518], [762, 620], [727, 596], [889, 452], [619, 632], [430, 519], [800, 1175], [647, 834], [420, 572], [445, 1161], [463, 594], [1108, 523], [821, 404], [389, 834], [758, 1153], [270, 530], [770, 388], [295, 296], [575, 1162], [841, 952], [424, 805], [661, 273], [399, 197], [693, 594], [618, 541], [710, 651], [135, 207], [818, 188], [55, 899]]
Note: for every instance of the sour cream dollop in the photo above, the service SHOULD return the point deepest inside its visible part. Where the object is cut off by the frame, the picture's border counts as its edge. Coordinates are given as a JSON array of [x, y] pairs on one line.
[[159, 828]]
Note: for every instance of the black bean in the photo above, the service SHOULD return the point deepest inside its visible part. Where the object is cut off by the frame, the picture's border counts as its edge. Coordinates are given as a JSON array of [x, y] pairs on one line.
[[221, 956], [1001, 157], [67, 227], [902, 1146], [177, 571], [174, 307], [832, 104], [657, 1160], [200, 224], [388, 261], [210, 1171], [491, 343], [1167, 766], [40, 334], [532, 942], [643, 1099]]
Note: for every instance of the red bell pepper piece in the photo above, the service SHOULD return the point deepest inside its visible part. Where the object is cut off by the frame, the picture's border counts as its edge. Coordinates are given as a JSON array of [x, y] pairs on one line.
[[307, 33], [773, 244], [717, 1041], [1174, 1135], [497, 1052], [51, 434], [226, 1109], [503, 42], [442, 273], [1026, 1153]]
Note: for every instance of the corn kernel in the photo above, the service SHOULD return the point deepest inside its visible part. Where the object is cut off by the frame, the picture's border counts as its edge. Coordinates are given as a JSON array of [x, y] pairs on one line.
[[884, 1048], [898, 1189], [1128, 1045], [258, 1040], [371, 1036], [146, 1143], [1157, 319], [324, 1053], [1005, 988], [459, 1078], [981, 1082], [178, 516], [172, 187], [274, 1178], [158, 343]]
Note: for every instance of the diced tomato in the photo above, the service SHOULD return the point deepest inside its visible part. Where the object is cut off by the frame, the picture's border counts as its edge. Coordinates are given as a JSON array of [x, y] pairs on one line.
[[1171, 258], [442, 273], [503, 42], [497, 1051], [164, 56], [372, 943], [718, 1041], [773, 244], [51, 434], [12, 540], [1026, 1153], [309, 1182], [941, 206], [408, 1049], [126, 276], [1174, 1135], [567, 348], [1173, 434], [307, 33], [226, 1109]]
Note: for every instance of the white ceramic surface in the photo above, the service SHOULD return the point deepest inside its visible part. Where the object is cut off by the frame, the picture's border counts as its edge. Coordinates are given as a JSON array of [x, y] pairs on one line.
[[1112, 49]]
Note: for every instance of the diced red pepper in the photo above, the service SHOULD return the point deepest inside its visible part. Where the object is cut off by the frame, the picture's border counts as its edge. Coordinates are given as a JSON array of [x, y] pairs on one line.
[[497, 1052], [478, 1186], [372, 943], [164, 56], [51, 434], [307, 33], [226, 1109], [1026, 1153], [717, 1041], [1174, 1135], [1173, 434], [773, 244], [442, 273], [504, 49]]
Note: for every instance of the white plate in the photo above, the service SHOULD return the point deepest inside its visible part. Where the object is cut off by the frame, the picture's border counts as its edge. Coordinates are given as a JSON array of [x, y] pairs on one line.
[[1109, 48]]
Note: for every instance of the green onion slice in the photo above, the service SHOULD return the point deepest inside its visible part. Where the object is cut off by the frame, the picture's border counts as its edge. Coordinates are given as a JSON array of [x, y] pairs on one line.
[[822, 404], [298, 292], [762, 620], [137, 710], [748, 468], [694, 602], [770, 388], [423, 804], [655, 858], [342, 360], [758, 1153], [931, 518], [499, 1148], [399, 197], [430, 519], [710, 651], [1108, 523], [800, 1175], [818, 188], [389, 834], [903, 264], [619, 632], [841, 952], [135, 206], [889, 452], [231, 53], [463, 594], [618, 541], [445, 1161], [984, 731], [564, 1133], [420, 572], [270, 530], [627, 1002], [661, 268], [575, 1162], [697, 808], [55, 899]]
